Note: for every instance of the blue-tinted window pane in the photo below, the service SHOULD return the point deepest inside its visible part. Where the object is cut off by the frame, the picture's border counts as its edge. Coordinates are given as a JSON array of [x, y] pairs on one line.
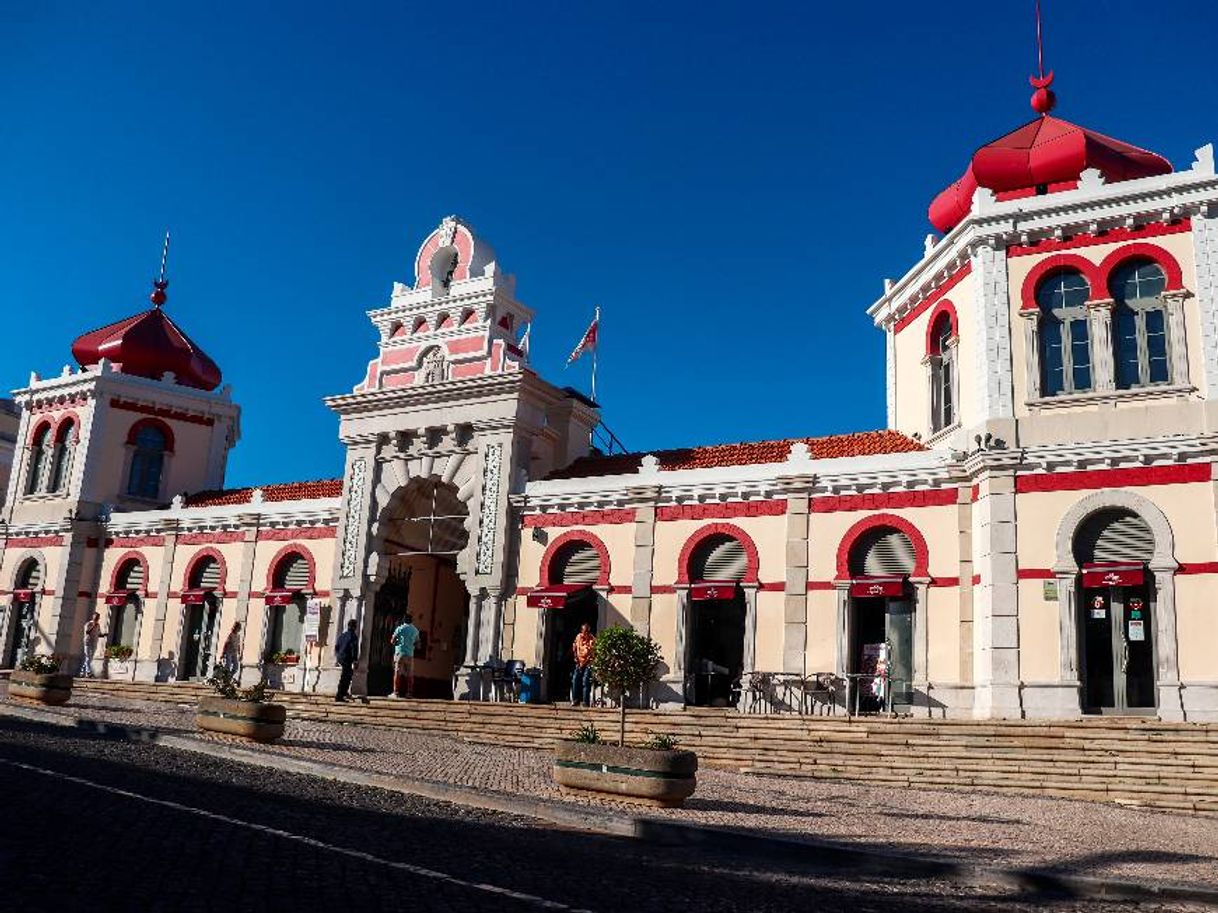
[[1138, 281], [1080, 355], [1156, 346], [1063, 290], [1051, 356], [1126, 329]]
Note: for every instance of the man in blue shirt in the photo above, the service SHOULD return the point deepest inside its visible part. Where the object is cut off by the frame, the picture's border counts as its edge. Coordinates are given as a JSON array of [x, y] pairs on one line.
[[405, 637]]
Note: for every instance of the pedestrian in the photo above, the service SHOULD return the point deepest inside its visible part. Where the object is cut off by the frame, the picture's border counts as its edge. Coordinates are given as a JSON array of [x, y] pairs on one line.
[[93, 633], [346, 653], [230, 656], [583, 649], [405, 637]]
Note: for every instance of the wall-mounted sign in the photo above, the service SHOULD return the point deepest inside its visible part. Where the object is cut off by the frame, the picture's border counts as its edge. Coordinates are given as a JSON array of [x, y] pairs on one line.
[[1099, 607], [1050, 590], [312, 621]]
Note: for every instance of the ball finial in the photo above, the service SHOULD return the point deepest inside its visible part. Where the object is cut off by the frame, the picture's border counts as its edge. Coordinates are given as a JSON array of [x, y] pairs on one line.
[[158, 295], [1043, 99]]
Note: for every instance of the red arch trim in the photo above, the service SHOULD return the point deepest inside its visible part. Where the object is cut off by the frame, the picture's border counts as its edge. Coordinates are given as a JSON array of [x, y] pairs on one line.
[[921, 553], [194, 562], [716, 529], [68, 419], [1142, 250], [943, 307], [575, 535], [281, 555], [156, 423], [1055, 264], [118, 566], [38, 428]]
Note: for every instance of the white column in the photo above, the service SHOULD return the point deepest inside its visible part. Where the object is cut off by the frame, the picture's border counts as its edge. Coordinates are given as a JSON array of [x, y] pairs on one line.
[[921, 632], [842, 662], [1099, 322], [750, 629], [1205, 254], [991, 367], [1166, 646], [1177, 337]]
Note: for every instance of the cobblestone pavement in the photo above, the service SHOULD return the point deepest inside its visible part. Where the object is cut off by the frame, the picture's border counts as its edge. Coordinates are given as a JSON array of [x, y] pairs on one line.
[[1082, 838], [101, 824]]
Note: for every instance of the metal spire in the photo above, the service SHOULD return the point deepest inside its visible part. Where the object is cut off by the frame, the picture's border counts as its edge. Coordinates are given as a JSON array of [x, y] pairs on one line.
[[1043, 98], [158, 295]]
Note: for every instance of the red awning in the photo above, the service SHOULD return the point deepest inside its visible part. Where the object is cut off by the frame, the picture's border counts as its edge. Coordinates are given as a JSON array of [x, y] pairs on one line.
[[713, 589], [553, 596], [23, 595], [281, 597], [1113, 574], [119, 597], [866, 587], [194, 596]]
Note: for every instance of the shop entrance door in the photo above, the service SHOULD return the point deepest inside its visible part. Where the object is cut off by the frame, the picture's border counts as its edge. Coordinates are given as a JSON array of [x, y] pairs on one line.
[[716, 658], [1118, 661], [388, 608], [881, 639], [562, 624], [198, 634]]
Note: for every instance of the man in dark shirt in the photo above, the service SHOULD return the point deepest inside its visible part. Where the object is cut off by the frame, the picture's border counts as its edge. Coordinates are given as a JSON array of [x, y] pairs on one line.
[[346, 652]]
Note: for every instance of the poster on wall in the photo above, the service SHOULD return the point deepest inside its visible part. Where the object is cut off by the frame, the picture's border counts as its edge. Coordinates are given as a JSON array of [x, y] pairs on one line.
[[875, 663], [312, 621], [1137, 629], [1099, 607]]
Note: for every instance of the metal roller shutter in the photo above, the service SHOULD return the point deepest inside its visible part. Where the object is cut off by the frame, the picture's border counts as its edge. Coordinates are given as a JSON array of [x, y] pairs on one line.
[[292, 573], [31, 577], [579, 564], [720, 558], [1112, 536], [882, 552], [206, 575], [131, 576]]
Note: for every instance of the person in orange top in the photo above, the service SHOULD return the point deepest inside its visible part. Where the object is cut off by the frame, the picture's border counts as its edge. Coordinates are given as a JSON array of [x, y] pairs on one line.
[[581, 679]]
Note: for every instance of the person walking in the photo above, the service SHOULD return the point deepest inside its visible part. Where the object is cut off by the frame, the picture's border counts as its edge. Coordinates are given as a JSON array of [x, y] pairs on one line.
[[230, 656], [583, 649], [346, 653], [405, 637], [93, 633]]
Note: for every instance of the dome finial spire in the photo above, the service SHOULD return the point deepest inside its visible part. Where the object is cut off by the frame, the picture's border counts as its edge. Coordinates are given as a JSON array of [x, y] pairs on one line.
[[158, 295], [1043, 98]]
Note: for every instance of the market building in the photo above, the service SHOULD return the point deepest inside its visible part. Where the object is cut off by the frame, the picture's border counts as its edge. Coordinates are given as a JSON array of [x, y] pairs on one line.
[[1035, 533]]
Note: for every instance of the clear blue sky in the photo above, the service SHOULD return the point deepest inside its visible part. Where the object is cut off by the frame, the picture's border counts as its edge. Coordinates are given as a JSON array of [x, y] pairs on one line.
[[730, 181]]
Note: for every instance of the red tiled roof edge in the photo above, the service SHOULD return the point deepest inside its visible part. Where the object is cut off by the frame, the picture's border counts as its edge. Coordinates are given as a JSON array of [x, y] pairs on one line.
[[279, 491], [746, 453]]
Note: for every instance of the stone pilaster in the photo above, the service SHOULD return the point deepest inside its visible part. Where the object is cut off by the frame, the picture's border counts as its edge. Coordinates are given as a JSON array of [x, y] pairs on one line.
[[795, 590], [991, 368], [1099, 324], [644, 560], [1205, 253], [241, 609]]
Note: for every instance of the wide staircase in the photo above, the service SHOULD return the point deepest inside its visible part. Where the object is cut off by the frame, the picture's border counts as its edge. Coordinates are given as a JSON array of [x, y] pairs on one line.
[[1124, 760]]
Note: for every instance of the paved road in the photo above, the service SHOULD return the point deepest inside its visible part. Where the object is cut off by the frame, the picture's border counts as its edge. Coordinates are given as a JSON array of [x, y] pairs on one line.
[[95, 824]]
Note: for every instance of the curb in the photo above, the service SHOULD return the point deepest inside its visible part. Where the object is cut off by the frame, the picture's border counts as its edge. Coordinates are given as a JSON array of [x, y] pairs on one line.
[[654, 830]]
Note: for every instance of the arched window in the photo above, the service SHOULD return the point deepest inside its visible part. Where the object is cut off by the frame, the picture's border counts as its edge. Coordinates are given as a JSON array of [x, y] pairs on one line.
[[1065, 344], [30, 575], [942, 359], [61, 460], [1140, 324], [39, 454], [882, 552], [291, 573], [576, 563], [147, 463], [206, 574], [719, 558], [125, 603]]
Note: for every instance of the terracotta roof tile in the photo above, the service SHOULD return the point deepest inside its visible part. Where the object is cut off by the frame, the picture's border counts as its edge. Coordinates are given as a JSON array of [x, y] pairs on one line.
[[861, 443], [282, 491]]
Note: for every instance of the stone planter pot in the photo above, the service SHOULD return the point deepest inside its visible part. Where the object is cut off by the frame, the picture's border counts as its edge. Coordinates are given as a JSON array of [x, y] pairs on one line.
[[643, 775], [120, 669], [54, 688], [281, 677], [250, 720]]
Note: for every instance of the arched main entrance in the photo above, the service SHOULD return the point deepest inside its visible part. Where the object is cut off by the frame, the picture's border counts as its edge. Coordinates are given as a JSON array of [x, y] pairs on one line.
[[1117, 619], [880, 620], [200, 615], [28, 586], [425, 531], [717, 613]]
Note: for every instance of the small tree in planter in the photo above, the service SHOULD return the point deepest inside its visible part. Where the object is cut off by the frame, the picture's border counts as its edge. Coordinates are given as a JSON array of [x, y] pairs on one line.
[[38, 679], [624, 661], [245, 712], [655, 773]]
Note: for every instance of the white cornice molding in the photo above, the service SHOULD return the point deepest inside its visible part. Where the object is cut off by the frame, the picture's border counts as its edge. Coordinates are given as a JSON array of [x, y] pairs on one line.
[[101, 381], [312, 512], [1085, 210]]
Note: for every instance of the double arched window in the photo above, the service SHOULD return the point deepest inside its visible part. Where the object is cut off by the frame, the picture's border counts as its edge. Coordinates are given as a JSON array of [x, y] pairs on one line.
[[61, 458], [1140, 324], [1065, 342], [147, 462]]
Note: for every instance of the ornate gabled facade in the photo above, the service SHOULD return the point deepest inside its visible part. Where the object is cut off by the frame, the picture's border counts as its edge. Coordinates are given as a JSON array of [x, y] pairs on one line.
[[1035, 533]]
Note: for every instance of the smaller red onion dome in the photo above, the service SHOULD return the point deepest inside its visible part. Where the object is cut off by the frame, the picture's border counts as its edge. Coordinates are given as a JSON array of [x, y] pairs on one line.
[[148, 345]]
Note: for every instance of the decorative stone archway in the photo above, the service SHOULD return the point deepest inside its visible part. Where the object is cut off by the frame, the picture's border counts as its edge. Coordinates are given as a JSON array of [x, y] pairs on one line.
[[1162, 565]]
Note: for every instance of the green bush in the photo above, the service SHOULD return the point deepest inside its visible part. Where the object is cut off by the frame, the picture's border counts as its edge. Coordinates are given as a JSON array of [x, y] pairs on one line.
[[624, 661], [661, 742], [223, 683], [121, 652], [588, 734], [40, 664]]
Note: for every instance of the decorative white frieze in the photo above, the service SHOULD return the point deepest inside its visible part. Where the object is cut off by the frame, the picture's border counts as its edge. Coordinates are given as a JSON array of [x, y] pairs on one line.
[[355, 522], [489, 522]]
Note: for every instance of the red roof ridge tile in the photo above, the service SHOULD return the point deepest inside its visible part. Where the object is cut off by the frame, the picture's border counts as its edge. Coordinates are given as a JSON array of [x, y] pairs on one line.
[[274, 491]]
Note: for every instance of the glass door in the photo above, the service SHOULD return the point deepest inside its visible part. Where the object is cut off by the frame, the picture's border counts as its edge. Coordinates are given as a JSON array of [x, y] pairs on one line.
[[1118, 650], [899, 635]]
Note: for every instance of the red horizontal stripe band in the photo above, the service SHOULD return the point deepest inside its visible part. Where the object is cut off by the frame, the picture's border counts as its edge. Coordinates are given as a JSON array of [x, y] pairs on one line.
[[1113, 478]]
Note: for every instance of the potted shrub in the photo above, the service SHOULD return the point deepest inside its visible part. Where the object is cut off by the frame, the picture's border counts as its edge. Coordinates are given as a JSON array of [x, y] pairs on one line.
[[38, 679], [285, 658], [654, 773], [118, 660], [279, 670], [246, 712]]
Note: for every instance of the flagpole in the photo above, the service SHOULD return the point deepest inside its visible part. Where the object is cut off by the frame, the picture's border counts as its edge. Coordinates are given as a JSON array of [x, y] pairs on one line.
[[595, 349]]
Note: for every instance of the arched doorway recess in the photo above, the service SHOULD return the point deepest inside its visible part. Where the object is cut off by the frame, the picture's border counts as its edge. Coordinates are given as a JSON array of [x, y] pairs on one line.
[[200, 617], [717, 621], [422, 534], [23, 611]]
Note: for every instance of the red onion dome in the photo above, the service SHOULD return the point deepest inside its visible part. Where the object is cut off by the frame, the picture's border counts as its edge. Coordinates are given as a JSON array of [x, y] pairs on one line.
[[148, 345]]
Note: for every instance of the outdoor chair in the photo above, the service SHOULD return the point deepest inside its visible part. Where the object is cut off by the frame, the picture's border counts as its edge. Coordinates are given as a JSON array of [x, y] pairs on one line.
[[819, 687], [505, 682], [759, 693]]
